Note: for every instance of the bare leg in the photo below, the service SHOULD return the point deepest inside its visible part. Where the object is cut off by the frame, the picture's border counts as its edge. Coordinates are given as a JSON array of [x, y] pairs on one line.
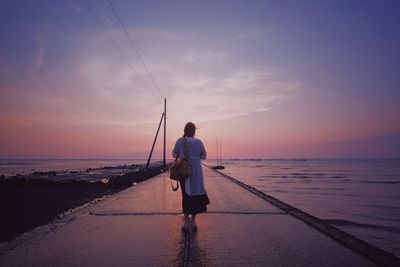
[[187, 219], [186, 223], [194, 225]]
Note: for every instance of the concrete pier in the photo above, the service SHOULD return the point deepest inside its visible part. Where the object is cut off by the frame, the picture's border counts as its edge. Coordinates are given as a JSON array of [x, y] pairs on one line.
[[140, 226]]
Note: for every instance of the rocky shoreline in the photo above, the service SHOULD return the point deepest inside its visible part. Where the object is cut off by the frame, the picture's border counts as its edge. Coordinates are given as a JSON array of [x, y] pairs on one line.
[[29, 201]]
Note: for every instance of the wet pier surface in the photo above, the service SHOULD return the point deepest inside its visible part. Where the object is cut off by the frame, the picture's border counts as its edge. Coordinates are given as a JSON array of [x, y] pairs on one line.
[[140, 226]]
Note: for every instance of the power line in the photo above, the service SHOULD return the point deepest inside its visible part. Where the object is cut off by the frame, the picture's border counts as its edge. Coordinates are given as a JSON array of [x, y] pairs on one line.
[[119, 49], [134, 47]]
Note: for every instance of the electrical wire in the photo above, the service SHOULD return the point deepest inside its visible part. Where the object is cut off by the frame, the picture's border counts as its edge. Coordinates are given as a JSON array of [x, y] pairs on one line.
[[135, 48], [119, 49]]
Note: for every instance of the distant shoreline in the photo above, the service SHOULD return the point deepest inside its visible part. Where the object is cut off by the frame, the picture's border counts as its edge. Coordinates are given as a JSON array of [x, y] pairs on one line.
[[227, 158], [13, 167]]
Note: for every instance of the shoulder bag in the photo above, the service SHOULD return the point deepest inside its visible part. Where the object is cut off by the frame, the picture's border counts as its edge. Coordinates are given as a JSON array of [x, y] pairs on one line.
[[181, 168]]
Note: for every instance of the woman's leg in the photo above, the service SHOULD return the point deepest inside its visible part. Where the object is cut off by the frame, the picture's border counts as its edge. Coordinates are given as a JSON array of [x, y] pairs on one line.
[[186, 222], [193, 222], [186, 216]]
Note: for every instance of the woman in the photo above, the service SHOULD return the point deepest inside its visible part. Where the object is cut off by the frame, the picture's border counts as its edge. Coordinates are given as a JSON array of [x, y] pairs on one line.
[[194, 196]]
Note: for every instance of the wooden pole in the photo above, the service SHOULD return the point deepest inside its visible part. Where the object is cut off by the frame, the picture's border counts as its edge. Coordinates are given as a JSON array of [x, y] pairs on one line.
[[165, 129], [154, 142]]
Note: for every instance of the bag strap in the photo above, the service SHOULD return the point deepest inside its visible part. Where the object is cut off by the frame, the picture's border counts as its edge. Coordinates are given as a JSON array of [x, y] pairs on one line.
[[173, 187], [186, 149]]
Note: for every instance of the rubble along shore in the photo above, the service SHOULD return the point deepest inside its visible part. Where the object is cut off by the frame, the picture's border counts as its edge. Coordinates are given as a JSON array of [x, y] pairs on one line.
[[27, 202]]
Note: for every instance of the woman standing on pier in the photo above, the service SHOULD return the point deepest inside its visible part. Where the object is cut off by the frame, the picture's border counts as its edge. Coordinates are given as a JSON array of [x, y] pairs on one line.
[[194, 196]]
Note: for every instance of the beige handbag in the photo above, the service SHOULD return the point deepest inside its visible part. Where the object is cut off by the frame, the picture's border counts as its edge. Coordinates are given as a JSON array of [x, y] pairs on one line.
[[181, 168]]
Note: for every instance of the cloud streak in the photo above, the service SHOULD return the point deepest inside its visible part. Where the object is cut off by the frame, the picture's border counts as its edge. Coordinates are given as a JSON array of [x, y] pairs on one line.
[[39, 57], [201, 82], [253, 32]]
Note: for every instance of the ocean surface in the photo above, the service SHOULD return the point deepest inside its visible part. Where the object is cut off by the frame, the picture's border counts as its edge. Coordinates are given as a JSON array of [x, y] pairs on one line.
[[361, 197], [25, 166]]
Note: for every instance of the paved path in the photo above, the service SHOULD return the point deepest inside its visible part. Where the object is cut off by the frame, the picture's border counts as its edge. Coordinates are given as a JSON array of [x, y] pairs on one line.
[[140, 226]]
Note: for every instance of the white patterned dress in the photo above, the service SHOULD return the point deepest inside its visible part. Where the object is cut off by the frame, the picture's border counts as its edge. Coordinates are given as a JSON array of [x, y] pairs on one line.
[[194, 185]]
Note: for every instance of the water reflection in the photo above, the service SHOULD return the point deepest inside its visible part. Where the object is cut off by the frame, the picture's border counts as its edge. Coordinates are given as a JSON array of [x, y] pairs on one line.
[[197, 255], [363, 192], [190, 252]]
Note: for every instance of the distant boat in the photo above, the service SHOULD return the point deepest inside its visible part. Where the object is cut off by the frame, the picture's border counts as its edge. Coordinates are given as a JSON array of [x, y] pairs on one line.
[[301, 159], [219, 165]]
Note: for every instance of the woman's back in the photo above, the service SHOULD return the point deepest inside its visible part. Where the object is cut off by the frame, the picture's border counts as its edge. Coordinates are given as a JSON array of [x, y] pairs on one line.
[[196, 148], [194, 185]]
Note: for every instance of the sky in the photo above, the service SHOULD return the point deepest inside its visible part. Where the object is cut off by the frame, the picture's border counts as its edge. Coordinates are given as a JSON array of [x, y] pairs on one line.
[[269, 79]]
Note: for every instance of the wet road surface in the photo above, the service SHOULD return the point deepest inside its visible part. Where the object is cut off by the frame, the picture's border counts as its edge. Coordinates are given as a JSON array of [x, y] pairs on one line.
[[140, 226]]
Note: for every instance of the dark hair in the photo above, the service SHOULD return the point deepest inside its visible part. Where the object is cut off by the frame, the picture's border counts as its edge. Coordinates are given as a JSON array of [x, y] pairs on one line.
[[189, 130]]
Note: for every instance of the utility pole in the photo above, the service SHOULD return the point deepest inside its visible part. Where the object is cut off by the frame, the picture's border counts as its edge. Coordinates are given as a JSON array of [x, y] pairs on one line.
[[163, 117], [154, 142], [165, 129]]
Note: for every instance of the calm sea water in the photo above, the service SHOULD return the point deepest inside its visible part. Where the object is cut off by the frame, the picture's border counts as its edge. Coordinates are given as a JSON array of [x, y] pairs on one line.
[[361, 197], [26, 166]]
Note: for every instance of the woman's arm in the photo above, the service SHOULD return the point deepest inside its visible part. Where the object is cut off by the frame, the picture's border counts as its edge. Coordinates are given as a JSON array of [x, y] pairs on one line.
[[203, 153], [175, 151]]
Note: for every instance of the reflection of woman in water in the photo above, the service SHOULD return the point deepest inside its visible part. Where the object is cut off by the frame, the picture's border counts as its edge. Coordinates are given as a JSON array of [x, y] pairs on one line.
[[194, 196]]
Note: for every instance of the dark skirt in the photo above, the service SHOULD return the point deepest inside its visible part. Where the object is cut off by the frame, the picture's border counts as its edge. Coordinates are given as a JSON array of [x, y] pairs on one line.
[[193, 204]]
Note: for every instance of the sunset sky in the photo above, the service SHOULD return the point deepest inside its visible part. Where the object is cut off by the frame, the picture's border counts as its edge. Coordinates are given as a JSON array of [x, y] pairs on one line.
[[270, 79]]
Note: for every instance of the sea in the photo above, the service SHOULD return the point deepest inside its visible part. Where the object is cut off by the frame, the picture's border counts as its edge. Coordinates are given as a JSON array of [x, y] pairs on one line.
[[10, 167], [359, 196]]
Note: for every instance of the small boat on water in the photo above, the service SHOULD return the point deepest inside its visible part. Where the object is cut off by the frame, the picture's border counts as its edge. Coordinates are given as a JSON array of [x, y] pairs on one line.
[[300, 159], [219, 165]]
